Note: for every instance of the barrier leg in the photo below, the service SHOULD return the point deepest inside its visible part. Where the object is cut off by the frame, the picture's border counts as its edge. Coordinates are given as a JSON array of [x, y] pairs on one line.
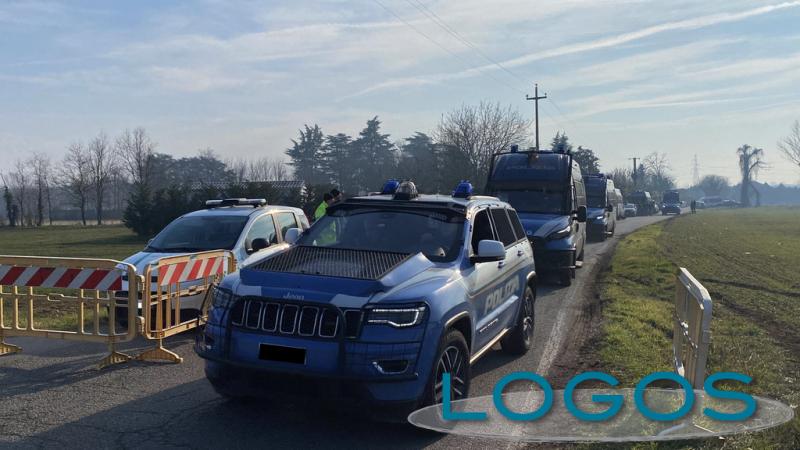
[[8, 349], [114, 357], [159, 354]]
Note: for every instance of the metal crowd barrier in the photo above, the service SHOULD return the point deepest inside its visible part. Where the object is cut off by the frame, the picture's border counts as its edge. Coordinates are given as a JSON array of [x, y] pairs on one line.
[[87, 284], [173, 280], [692, 328]]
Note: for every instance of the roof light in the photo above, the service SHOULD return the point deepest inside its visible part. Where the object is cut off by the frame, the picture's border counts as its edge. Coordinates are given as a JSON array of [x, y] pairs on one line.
[[463, 190], [390, 187], [406, 191], [254, 202]]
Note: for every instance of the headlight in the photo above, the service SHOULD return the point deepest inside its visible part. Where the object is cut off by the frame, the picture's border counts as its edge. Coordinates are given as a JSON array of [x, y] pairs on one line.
[[560, 234], [222, 298], [599, 217], [396, 317]]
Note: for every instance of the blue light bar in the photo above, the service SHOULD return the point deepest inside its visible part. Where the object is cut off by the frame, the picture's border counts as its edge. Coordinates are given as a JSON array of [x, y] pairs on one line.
[[390, 187], [463, 190]]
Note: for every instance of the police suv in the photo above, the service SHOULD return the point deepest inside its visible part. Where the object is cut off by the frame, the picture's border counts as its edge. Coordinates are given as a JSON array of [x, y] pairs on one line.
[[376, 301]]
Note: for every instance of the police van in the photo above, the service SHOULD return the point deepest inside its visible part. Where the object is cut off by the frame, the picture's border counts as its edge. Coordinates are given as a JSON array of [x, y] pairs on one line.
[[376, 301], [547, 191], [601, 206]]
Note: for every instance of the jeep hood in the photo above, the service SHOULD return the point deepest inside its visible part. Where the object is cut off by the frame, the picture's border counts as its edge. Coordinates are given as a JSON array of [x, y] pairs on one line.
[[541, 225], [326, 272]]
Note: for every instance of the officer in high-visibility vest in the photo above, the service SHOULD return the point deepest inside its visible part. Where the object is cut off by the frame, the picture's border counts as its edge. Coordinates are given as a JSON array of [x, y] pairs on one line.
[[327, 200]]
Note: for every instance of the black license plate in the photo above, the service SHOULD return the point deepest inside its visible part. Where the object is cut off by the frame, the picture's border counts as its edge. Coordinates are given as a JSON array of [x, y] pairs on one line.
[[281, 353]]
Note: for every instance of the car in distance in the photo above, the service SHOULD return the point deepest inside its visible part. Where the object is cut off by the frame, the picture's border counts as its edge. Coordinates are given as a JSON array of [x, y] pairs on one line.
[[547, 190], [601, 215], [630, 210], [671, 203], [375, 302], [243, 226]]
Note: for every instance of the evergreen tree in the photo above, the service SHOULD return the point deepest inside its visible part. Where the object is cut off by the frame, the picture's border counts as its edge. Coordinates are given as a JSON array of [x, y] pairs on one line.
[[374, 157], [138, 214], [560, 143], [586, 159], [337, 160], [306, 155]]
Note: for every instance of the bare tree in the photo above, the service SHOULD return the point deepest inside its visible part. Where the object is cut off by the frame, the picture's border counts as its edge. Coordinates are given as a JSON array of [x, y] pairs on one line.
[[136, 151], [19, 179], [102, 166], [42, 168], [658, 172], [750, 161], [268, 169], [479, 131], [790, 145], [76, 176]]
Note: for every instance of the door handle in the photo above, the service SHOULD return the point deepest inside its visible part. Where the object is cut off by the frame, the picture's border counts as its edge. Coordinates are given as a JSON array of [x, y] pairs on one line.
[[501, 264], [520, 253]]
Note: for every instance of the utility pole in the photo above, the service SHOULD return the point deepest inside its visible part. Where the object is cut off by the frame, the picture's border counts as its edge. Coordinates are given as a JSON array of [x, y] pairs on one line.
[[634, 171], [695, 171], [536, 99]]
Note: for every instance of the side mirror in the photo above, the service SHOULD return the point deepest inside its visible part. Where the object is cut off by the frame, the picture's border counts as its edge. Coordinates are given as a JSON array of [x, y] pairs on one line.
[[258, 244], [292, 235], [581, 214], [489, 250], [610, 208]]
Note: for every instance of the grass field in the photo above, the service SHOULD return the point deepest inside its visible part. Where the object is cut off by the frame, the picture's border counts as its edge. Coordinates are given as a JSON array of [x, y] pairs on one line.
[[749, 260], [107, 242]]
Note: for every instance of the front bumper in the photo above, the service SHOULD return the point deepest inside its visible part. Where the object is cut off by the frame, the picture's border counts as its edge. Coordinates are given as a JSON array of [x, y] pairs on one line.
[[354, 364], [552, 260], [597, 228]]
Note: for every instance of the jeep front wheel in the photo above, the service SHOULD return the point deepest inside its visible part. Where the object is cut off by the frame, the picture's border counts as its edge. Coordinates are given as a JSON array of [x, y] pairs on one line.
[[452, 358]]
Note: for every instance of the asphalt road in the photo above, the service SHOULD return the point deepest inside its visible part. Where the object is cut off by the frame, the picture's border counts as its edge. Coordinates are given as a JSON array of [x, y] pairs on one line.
[[52, 395]]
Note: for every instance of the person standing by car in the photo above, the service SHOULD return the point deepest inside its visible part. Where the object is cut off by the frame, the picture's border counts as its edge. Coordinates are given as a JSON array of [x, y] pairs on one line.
[[337, 195], [327, 200], [693, 205]]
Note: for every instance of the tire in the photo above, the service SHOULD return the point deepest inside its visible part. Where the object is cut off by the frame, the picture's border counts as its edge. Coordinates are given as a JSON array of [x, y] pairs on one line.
[[520, 339], [565, 276], [452, 357]]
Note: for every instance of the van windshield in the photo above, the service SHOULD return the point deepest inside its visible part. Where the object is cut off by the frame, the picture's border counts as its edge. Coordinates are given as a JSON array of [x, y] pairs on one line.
[[546, 200]]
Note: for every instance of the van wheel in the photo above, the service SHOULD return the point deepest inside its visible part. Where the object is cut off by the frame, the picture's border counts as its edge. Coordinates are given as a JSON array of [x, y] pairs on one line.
[[566, 276], [452, 358], [520, 339]]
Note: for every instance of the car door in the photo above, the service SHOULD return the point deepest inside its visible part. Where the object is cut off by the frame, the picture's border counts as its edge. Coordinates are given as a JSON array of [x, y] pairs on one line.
[[511, 273], [262, 227], [482, 280]]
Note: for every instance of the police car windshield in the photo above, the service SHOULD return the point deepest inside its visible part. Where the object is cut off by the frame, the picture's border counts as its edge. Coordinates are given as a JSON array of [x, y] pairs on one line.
[[435, 233], [199, 233], [546, 200]]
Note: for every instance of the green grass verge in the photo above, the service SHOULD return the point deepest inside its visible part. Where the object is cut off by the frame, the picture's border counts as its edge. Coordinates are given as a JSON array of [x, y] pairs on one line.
[[748, 260], [105, 242]]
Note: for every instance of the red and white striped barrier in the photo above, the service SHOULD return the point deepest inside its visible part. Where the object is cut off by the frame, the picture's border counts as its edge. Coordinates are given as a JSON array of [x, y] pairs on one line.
[[61, 277], [195, 269]]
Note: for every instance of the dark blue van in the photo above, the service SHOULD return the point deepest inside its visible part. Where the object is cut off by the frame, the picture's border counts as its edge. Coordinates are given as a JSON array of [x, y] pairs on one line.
[[601, 202], [547, 191]]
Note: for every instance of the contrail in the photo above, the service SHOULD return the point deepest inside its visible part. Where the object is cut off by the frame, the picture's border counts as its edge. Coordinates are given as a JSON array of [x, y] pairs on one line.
[[686, 24]]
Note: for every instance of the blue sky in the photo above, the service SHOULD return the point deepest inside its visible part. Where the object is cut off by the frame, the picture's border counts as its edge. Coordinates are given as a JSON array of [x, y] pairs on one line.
[[624, 78]]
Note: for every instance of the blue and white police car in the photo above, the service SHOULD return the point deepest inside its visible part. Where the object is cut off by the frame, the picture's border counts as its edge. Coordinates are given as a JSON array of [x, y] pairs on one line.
[[376, 301], [246, 227]]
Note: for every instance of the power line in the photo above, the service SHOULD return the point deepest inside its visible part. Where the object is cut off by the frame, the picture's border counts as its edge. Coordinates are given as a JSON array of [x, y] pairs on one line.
[[445, 49], [443, 25], [536, 97]]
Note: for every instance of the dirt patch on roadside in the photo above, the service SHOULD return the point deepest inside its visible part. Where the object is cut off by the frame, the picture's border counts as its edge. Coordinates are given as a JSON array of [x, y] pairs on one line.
[[580, 352]]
